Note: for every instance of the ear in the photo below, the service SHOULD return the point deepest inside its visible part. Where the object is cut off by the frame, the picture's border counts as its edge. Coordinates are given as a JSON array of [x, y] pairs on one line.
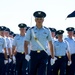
[[43, 19], [19, 29], [35, 19]]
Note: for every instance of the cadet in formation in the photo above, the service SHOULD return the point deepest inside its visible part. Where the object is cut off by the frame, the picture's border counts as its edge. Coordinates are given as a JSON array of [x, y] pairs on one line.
[[3, 56], [18, 47], [38, 36], [71, 41], [49, 66], [61, 48]]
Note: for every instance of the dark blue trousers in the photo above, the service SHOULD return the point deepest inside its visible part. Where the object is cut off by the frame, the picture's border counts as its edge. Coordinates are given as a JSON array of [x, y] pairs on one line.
[[71, 69], [60, 64], [73, 64], [38, 63], [21, 64], [49, 67], [1, 64]]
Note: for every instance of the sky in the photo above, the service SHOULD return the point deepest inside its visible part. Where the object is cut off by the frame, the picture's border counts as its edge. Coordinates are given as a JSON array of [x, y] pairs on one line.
[[13, 12]]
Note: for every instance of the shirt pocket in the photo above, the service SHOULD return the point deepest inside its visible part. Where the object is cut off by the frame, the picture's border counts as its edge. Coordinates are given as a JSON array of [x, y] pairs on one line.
[[57, 47], [44, 35], [1, 43], [18, 42]]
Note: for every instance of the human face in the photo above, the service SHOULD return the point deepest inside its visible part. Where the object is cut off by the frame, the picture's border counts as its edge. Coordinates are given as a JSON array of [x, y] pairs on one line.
[[60, 37], [39, 21], [73, 35], [70, 33], [2, 33], [11, 36], [22, 30], [6, 33], [53, 34]]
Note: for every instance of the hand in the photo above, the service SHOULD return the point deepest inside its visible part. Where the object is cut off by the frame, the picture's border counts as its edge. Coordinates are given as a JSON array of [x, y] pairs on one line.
[[27, 57], [10, 60], [14, 59], [69, 63], [53, 60], [5, 61]]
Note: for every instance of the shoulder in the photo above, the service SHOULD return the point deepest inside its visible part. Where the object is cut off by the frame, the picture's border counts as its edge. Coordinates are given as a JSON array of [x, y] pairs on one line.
[[2, 39], [64, 41], [17, 36], [55, 41], [31, 28], [66, 38], [45, 27]]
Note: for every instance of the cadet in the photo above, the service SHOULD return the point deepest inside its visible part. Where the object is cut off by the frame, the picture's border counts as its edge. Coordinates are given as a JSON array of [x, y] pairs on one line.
[[8, 42], [27, 28], [74, 34], [60, 49], [3, 56], [6, 33], [38, 37], [18, 45], [49, 66], [70, 40], [53, 31]]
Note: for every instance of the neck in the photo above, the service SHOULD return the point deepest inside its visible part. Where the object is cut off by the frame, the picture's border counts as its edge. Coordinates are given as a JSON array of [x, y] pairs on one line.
[[60, 40], [69, 36], [39, 26], [22, 34]]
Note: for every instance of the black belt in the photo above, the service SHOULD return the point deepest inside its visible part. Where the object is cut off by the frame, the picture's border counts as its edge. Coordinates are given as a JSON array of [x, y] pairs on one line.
[[73, 54], [38, 51], [59, 57], [1, 53], [21, 52]]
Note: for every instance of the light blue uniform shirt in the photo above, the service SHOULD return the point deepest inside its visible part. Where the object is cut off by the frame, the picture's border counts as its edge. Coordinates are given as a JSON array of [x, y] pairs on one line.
[[60, 48], [42, 34], [2, 44], [19, 43], [71, 42], [48, 48], [8, 43], [11, 40]]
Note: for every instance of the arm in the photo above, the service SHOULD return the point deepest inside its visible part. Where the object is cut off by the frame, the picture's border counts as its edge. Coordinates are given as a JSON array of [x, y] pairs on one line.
[[51, 49], [69, 56], [13, 50], [26, 47], [27, 40], [4, 47], [68, 51], [9, 51], [5, 53]]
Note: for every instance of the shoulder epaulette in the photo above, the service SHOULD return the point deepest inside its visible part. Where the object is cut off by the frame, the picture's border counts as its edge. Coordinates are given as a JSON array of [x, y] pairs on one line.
[[31, 27], [17, 35], [45, 27]]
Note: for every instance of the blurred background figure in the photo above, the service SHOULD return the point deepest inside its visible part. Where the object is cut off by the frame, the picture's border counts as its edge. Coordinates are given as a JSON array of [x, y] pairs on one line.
[[70, 69]]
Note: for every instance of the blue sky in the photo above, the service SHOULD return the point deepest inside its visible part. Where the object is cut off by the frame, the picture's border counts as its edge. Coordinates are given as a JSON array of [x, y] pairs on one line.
[[13, 12]]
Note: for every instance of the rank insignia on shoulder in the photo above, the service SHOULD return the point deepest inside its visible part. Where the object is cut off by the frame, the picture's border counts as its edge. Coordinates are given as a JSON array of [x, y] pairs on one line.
[[31, 27]]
